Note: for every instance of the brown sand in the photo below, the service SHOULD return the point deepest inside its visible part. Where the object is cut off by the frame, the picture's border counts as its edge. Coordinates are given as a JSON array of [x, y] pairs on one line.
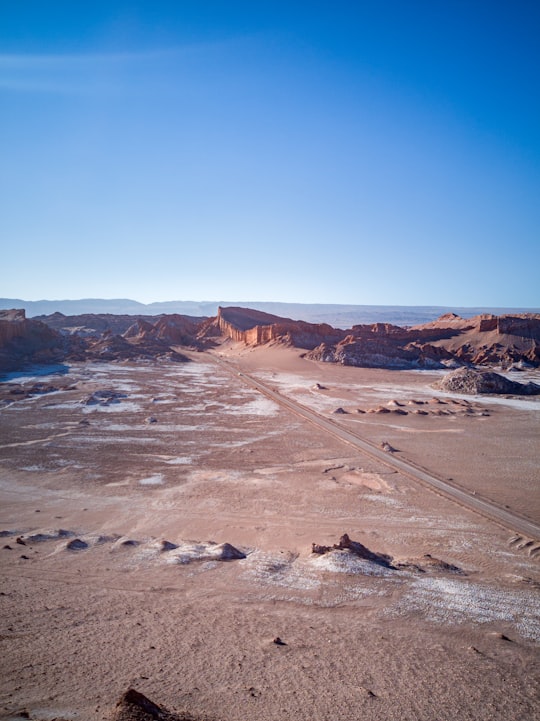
[[222, 464]]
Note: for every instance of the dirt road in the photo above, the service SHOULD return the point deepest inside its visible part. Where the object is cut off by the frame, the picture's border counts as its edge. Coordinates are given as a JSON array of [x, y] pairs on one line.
[[488, 509]]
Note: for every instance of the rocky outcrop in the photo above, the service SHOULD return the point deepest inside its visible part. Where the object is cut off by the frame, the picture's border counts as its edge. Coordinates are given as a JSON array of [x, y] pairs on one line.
[[107, 337], [92, 324], [178, 330], [257, 328], [487, 339], [135, 347], [356, 548], [24, 341], [375, 352], [468, 380], [449, 342], [13, 324]]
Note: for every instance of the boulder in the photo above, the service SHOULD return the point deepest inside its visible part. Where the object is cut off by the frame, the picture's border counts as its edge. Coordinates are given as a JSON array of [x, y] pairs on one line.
[[471, 381]]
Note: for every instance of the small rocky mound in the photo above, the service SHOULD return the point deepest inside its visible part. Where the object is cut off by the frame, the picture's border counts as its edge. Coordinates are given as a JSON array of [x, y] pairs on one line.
[[167, 546], [345, 544], [135, 706], [227, 552], [76, 544], [429, 564], [469, 380], [104, 398]]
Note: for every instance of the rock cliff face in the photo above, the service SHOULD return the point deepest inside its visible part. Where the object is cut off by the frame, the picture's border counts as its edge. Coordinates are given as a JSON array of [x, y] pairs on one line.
[[447, 342], [13, 324], [488, 339], [256, 328], [24, 341]]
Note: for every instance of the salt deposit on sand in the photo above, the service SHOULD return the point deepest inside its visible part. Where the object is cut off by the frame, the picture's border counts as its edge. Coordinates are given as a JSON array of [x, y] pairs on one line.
[[168, 557]]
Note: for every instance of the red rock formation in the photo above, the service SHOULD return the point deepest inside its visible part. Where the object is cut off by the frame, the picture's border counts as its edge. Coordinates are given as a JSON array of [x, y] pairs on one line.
[[355, 547], [13, 324], [256, 328], [24, 341], [446, 342], [450, 340], [92, 324]]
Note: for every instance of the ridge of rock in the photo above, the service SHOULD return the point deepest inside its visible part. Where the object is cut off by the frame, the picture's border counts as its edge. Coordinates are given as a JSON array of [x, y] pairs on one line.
[[450, 341]]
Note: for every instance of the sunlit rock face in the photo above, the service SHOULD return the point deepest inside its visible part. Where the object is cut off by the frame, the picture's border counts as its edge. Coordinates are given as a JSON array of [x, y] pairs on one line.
[[27, 341], [256, 328], [450, 341]]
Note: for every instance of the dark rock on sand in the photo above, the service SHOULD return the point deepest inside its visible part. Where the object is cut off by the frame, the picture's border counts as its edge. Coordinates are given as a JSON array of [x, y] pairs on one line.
[[230, 553], [76, 544], [134, 706], [167, 546], [429, 564], [468, 380]]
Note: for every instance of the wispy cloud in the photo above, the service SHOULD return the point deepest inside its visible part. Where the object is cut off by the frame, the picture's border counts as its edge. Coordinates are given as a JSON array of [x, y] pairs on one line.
[[40, 60], [90, 73]]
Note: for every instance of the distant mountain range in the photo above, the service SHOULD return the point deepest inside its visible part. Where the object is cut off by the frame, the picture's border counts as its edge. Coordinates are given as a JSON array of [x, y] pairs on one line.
[[336, 315]]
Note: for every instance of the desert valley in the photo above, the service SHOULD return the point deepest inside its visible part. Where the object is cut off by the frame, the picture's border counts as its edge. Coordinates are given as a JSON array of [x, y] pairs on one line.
[[251, 517]]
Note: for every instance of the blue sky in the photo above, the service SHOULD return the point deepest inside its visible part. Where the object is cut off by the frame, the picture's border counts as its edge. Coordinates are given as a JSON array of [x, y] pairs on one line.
[[368, 152]]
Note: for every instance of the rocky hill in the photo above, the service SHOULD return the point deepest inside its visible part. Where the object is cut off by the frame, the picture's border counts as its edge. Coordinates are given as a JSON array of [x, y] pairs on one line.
[[59, 338], [95, 324], [447, 342], [487, 339], [91, 324]]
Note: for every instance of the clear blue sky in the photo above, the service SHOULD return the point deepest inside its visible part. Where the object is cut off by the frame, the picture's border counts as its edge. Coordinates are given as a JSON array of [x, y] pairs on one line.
[[336, 152]]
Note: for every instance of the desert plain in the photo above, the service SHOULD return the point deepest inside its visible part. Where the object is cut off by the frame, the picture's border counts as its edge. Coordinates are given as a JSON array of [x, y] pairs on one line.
[[157, 525]]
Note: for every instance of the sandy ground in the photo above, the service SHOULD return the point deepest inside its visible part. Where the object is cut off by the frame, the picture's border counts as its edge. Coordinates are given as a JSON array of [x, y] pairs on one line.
[[115, 509]]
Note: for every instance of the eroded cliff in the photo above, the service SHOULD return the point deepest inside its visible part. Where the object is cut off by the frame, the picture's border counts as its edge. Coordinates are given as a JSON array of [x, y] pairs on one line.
[[24, 341]]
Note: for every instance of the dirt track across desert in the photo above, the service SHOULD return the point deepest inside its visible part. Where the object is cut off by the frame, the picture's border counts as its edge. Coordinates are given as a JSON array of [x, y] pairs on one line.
[[487, 509]]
